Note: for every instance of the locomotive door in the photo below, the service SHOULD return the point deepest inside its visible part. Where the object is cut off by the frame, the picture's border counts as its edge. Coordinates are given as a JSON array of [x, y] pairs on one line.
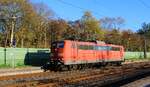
[[74, 52], [104, 53]]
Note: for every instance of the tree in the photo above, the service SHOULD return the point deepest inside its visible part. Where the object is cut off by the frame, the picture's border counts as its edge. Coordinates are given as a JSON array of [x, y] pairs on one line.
[[31, 25], [135, 43], [75, 30], [91, 28], [9, 9], [44, 15], [126, 37], [57, 29], [145, 30], [145, 34], [113, 37], [112, 23]]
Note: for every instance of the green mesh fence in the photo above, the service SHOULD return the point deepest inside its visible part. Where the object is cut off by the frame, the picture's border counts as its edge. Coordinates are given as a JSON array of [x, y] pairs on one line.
[[38, 56], [24, 56], [2, 56], [138, 55]]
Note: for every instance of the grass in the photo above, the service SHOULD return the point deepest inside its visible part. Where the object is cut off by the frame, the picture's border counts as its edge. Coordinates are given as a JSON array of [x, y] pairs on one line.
[[18, 65], [5, 66], [137, 59]]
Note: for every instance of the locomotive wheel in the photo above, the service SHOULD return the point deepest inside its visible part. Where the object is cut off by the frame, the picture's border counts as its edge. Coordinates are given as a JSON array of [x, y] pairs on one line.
[[118, 63], [68, 67], [104, 64], [62, 68], [59, 67], [75, 67], [79, 67]]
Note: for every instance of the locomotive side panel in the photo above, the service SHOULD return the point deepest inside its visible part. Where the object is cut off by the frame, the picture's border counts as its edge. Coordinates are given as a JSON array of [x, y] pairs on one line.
[[114, 54], [86, 53], [102, 50], [71, 53], [109, 53], [68, 52]]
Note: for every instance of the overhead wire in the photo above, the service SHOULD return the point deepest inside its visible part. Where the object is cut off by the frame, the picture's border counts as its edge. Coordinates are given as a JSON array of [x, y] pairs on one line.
[[81, 8], [144, 4], [104, 8]]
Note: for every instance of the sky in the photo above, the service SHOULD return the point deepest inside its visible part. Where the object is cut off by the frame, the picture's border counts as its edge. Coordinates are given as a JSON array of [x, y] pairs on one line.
[[135, 12]]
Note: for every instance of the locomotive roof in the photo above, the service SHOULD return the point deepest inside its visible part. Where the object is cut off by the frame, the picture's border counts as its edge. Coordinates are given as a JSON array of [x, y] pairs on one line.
[[93, 43]]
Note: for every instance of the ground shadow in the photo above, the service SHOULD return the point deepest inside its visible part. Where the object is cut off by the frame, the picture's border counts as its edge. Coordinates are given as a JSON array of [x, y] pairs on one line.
[[38, 58]]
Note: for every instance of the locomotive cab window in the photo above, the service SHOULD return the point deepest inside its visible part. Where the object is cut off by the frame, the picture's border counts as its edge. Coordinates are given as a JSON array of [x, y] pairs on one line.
[[115, 49], [102, 48], [60, 45], [109, 48], [83, 47], [86, 47], [54, 45]]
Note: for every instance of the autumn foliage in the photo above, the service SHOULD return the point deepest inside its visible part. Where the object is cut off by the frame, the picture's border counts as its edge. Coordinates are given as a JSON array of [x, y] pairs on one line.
[[37, 26]]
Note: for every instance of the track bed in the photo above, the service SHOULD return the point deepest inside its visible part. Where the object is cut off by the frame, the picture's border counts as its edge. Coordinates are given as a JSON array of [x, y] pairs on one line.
[[88, 77]]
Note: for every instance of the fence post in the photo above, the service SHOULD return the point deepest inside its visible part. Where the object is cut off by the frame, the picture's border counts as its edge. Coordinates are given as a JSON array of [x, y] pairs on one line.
[[145, 48], [28, 55], [5, 55]]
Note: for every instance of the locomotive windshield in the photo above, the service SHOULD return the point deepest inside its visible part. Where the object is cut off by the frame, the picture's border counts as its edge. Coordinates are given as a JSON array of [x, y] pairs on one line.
[[58, 45]]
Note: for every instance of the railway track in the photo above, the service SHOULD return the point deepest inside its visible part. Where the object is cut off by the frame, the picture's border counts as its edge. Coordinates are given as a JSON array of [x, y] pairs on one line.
[[88, 77]]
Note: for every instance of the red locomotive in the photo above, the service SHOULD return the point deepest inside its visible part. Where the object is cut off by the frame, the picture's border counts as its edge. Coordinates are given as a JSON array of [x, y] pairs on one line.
[[75, 54]]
